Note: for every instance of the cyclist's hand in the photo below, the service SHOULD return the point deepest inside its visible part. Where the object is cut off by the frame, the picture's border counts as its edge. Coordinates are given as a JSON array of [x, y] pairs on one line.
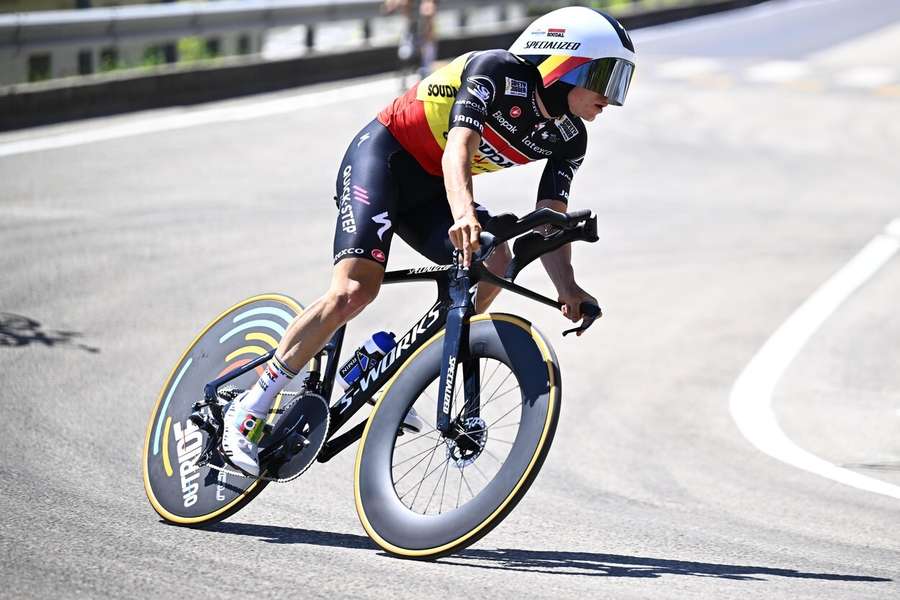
[[464, 236], [572, 299]]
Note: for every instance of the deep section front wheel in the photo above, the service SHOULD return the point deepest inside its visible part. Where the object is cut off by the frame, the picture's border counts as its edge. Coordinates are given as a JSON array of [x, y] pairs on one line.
[[180, 490], [426, 494]]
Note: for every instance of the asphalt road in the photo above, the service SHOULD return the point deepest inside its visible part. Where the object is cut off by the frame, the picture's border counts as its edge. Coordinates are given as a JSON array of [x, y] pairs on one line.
[[756, 157]]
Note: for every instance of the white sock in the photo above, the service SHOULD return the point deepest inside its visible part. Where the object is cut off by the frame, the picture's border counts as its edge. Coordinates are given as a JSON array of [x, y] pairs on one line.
[[261, 396]]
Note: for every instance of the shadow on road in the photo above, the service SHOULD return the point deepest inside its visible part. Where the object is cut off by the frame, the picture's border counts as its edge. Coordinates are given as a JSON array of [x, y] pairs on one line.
[[615, 565], [16, 330], [290, 535], [542, 561]]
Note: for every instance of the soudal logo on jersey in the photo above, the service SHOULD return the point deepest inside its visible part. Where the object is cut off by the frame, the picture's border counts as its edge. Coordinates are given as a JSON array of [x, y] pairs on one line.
[[490, 154], [441, 91], [556, 32], [552, 45]]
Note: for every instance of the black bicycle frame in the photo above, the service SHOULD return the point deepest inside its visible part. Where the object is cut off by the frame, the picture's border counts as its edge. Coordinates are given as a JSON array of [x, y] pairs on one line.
[[453, 308]]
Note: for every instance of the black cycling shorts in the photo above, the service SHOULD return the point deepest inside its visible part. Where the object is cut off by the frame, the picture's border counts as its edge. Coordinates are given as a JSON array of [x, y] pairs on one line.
[[380, 190]]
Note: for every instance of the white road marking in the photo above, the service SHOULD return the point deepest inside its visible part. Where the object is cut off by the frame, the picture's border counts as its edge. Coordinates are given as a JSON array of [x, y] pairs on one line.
[[686, 68], [206, 116], [777, 71], [751, 396], [866, 77]]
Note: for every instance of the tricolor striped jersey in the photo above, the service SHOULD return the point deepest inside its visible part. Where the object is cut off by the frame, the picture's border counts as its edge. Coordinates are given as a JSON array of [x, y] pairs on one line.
[[493, 93]]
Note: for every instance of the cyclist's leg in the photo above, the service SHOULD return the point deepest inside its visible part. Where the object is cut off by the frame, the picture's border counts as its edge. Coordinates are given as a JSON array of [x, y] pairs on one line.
[[354, 284], [496, 263], [365, 193], [424, 218]]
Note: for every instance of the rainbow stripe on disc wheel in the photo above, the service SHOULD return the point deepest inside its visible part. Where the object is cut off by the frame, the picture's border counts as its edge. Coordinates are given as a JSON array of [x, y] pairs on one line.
[[179, 490]]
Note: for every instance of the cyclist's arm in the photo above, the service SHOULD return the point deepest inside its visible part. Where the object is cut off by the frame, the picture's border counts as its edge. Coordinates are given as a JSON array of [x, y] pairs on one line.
[[558, 265], [470, 107], [456, 161]]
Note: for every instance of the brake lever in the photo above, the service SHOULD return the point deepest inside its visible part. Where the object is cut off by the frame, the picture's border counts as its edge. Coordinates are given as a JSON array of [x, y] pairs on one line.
[[589, 314]]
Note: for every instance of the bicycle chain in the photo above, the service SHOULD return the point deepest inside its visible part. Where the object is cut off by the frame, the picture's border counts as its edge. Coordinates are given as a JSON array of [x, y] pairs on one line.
[[229, 394]]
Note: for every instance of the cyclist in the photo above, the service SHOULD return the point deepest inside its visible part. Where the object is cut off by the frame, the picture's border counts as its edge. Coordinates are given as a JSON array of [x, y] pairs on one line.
[[410, 171]]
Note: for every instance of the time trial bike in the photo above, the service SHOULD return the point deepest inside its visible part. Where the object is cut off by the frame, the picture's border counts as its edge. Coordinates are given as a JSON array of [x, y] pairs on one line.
[[487, 388]]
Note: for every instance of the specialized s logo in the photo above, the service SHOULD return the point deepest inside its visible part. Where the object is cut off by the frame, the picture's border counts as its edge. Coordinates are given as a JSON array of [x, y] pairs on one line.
[[482, 88], [385, 221]]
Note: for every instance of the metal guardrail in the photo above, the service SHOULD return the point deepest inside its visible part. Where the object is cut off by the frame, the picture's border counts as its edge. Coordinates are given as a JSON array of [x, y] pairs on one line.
[[24, 31], [52, 101]]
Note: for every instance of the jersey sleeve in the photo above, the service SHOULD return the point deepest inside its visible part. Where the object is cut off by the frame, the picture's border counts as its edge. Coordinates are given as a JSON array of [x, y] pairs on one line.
[[477, 92], [557, 179]]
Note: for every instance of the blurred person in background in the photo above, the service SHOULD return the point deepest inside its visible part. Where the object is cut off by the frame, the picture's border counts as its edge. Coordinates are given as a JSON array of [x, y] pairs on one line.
[[417, 44], [409, 172]]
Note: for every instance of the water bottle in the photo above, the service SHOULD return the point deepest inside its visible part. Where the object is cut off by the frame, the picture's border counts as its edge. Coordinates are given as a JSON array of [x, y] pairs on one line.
[[365, 357]]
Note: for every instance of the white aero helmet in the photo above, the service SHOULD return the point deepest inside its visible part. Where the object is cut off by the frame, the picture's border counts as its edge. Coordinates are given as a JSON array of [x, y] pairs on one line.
[[582, 47]]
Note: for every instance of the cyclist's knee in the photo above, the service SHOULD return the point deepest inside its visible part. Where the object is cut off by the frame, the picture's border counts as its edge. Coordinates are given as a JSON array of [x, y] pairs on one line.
[[353, 287], [499, 260]]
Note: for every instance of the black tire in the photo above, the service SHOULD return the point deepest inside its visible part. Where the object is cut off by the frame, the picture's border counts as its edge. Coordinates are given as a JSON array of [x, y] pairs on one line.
[[398, 525], [238, 335]]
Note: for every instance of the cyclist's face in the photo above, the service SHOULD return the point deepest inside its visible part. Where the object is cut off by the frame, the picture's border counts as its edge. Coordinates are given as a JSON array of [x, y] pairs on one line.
[[586, 104]]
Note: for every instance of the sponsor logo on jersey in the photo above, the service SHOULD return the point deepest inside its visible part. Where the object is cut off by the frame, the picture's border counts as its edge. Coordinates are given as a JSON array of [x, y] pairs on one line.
[[477, 106], [534, 147], [378, 255], [556, 32], [490, 154], [539, 32], [514, 87], [468, 121], [441, 91], [384, 220], [515, 112], [566, 127], [361, 194], [481, 87], [348, 221], [498, 116], [362, 138], [348, 252], [564, 175], [552, 45], [548, 137]]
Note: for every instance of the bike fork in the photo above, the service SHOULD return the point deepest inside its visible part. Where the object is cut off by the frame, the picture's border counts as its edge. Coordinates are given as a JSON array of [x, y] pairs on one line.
[[455, 337]]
